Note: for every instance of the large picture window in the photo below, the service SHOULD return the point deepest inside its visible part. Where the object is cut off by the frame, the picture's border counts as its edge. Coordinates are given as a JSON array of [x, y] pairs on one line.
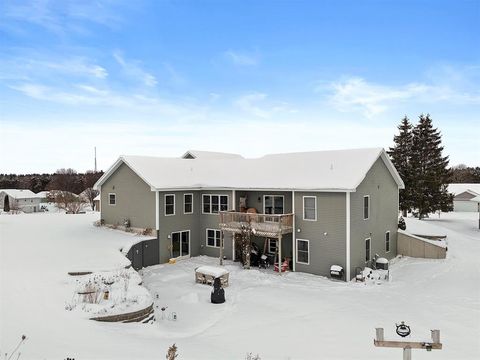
[[303, 251], [214, 238], [212, 204], [169, 204], [310, 208], [366, 207]]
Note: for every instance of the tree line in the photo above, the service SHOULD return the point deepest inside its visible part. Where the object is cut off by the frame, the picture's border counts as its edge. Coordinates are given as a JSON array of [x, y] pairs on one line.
[[62, 179]]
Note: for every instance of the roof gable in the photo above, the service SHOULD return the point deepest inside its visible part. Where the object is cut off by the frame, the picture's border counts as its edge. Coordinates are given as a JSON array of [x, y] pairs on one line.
[[339, 170]]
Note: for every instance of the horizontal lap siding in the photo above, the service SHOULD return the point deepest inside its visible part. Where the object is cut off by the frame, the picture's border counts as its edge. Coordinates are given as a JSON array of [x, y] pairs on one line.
[[329, 249], [211, 221], [135, 200], [179, 222], [383, 191]]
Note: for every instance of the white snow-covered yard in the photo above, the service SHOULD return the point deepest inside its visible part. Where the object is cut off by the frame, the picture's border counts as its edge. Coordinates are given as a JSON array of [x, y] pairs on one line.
[[293, 316]]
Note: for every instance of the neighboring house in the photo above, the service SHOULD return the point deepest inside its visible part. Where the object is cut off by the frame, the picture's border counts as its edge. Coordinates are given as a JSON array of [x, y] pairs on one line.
[[464, 196], [43, 195], [96, 202], [316, 208], [19, 199]]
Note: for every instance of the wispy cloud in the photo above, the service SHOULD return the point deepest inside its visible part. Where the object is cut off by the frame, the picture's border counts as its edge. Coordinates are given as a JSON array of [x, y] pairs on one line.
[[357, 94], [34, 65], [242, 58], [254, 104], [59, 17], [134, 70]]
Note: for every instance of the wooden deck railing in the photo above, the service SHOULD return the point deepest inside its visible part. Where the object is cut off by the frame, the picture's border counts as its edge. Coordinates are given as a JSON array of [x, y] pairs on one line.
[[259, 224]]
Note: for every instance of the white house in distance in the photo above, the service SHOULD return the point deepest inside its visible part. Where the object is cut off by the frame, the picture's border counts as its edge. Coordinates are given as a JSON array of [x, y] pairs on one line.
[[465, 196], [20, 199]]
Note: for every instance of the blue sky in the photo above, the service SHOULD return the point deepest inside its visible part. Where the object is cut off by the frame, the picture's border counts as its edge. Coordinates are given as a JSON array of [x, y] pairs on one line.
[[160, 77]]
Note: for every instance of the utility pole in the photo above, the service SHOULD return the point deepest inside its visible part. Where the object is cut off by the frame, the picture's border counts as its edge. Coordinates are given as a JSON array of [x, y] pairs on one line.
[[407, 346]]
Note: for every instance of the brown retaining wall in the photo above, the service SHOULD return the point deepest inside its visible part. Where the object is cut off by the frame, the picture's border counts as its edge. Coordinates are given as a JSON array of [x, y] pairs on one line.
[[126, 317]]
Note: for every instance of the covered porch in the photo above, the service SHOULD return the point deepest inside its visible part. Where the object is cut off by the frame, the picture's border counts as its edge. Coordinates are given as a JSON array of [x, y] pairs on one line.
[[273, 231]]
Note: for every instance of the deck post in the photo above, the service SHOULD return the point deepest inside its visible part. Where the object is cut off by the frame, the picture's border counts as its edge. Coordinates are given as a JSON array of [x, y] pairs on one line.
[[280, 254], [221, 240]]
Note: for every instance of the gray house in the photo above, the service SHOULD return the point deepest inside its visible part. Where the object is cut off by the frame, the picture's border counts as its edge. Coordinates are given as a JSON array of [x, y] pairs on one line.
[[465, 197], [315, 209]]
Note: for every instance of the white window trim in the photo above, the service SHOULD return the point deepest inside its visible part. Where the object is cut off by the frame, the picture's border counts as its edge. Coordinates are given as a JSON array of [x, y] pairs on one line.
[[215, 238], [191, 212], [114, 194], [314, 197], [219, 203], [189, 243], [369, 250], [296, 251], [363, 207], [268, 245], [272, 195], [165, 205], [389, 241]]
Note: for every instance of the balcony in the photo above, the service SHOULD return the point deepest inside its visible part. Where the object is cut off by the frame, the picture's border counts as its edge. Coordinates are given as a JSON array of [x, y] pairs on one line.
[[271, 226]]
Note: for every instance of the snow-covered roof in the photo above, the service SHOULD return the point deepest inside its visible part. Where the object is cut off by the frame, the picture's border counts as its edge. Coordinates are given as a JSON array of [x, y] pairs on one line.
[[97, 198], [476, 199], [456, 189], [20, 193], [337, 170], [196, 154]]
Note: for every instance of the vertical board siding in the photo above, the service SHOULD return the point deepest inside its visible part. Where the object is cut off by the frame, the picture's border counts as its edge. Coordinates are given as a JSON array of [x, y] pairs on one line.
[[383, 191], [134, 200], [325, 250]]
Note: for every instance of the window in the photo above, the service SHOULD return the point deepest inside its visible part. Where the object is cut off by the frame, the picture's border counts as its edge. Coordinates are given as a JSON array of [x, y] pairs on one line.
[[169, 204], [367, 250], [387, 241], [212, 204], [272, 246], [213, 238], [303, 253], [188, 203], [112, 199], [366, 207], [273, 204], [310, 208]]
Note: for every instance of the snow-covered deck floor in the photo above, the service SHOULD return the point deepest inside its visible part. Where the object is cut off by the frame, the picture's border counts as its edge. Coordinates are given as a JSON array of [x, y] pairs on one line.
[[296, 316]]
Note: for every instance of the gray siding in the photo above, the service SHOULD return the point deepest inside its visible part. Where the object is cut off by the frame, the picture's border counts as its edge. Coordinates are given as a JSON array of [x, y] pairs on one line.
[[135, 200], [178, 222], [329, 249], [383, 191], [211, 221]]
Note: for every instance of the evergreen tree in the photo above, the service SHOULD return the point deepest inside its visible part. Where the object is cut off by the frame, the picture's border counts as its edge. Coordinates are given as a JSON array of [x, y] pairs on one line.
[[400, 156], [429, 170]]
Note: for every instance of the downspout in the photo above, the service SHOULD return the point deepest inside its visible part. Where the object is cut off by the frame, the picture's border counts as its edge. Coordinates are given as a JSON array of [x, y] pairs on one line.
[[294, 235], [157, 214], [347, 237]]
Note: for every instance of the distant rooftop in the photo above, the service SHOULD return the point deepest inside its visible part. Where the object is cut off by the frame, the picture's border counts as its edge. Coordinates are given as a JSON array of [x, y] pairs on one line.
[[20, 193]]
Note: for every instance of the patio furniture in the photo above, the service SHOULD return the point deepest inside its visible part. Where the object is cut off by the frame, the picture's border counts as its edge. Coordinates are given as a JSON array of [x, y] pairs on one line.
[[207, 274]]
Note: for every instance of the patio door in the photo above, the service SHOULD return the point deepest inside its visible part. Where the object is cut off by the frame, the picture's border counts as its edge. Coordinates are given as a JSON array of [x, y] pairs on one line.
[[181, 244]]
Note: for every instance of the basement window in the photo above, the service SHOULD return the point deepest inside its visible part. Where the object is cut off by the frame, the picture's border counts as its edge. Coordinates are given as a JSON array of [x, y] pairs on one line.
[[213, 238], [303, 251], [367, 249]]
